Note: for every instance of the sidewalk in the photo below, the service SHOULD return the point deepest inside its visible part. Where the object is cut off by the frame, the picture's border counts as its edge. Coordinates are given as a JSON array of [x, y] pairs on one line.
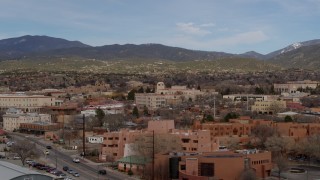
[[108, 169]]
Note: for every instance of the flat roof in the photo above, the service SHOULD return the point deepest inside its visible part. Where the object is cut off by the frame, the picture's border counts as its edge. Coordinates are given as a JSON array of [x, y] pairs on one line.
[[9, 170]]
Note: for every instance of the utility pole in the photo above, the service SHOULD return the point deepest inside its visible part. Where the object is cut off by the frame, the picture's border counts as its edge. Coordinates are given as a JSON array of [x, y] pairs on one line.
[[214, 107], [56, 159], [247, 102], [63, 126], [83, 135], [152, 155]]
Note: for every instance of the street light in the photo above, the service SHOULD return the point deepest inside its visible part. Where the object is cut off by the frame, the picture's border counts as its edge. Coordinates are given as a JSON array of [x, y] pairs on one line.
[[56, 159], [98, 171]]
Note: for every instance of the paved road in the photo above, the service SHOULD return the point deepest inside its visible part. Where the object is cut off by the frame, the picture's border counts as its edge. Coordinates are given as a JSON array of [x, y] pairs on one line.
[[86, 171], [311, 173]]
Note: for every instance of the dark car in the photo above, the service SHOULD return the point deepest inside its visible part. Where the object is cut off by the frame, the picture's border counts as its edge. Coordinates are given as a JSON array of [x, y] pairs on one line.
[[102, 172], [65, 168], [48, 147]]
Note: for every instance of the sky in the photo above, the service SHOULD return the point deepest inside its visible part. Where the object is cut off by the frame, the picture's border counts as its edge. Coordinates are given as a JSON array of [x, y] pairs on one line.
[[233, 26]]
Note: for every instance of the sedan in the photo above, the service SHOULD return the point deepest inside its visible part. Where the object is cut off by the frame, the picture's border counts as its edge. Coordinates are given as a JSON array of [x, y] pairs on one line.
[[76, 160], [75, 174]]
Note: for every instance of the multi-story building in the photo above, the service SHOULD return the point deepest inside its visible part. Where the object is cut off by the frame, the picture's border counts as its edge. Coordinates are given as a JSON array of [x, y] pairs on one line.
[[27, 103], [202, 166], [117, 144], [268, 107], [166, 96], [254, 97], [14, 117], [293, 86], [243, 127]]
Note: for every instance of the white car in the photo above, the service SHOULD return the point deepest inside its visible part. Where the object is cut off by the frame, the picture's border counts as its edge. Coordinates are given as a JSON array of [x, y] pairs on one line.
[[15, 157], [76, 174], [76, 160]]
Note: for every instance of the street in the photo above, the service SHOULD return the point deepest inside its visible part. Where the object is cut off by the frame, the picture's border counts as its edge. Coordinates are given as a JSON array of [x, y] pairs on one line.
[[87, 171]]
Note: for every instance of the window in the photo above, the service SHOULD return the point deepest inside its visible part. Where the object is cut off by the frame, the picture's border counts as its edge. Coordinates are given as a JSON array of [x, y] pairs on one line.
[[207, 169], [183, 167]]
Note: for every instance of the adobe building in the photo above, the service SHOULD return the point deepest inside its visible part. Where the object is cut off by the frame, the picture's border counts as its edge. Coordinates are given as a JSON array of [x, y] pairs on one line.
[[117, 144], [224, 165]]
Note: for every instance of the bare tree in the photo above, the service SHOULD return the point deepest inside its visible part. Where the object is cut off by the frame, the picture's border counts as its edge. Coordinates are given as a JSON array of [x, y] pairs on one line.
[[24, 149], [114, 121], [92, 122], [282, 165], [69, 135], [279, 145], [163, 143], [260, 134], [248, 174], [311, 146], [233, 143]]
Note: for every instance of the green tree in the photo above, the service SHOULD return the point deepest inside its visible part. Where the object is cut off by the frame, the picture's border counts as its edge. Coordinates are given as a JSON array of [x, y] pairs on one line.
[[272, 90], [135, 111], [141, 90], [148, 90], [145, 111], [100, 115], [231, 115], [259, 90], [131, 94], [288, 119], [208, 117]]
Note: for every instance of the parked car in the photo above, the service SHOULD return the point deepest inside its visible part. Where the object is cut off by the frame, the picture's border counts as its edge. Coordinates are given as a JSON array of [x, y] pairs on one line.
[[29, 161], [76, 160], [50, 169], [102, 172], [2, 157], [61, 175], [15, 157], [48, 147], [76, 174], [65, 168], [70, 171]]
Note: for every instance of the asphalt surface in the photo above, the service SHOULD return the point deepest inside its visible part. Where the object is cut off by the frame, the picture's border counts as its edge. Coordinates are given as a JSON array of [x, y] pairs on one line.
[[59, 158]]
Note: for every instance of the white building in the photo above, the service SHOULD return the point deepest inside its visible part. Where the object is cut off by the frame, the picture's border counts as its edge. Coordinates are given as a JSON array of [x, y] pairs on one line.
[[14, 117], [166, 96], [27, 103], [108, 108], [95, 139], [293, 86], [254, 97]]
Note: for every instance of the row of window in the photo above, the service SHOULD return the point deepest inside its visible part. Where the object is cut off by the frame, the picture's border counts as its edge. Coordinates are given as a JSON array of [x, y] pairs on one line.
[[260, 162]]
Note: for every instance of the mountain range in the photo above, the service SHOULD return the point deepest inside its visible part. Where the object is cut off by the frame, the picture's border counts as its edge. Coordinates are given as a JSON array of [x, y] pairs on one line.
[[38, 48]]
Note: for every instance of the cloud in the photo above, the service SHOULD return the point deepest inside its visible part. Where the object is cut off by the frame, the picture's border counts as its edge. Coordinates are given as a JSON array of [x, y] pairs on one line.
[[207, 25], [191, 28], [245, 39], [251, 37]]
